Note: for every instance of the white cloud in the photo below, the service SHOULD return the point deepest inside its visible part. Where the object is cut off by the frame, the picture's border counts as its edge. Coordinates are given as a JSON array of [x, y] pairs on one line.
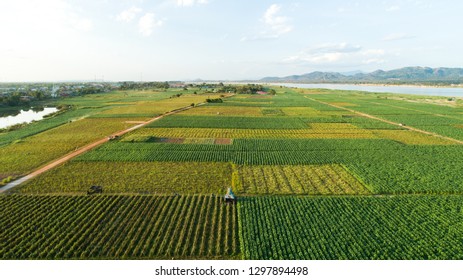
[[334, 48], [278, 24], [396, 37], [53, 23], [373, 61], [81, 24], [38, 18], [275, 25], [189, 3], [370, 52], [392, 8], [147, 23], [129, 14], [46, 32], [336, 54], [259, 37]]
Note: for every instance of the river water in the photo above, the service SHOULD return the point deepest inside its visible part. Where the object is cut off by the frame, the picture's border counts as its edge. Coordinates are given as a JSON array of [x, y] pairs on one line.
[[26, 116], [417, 90]]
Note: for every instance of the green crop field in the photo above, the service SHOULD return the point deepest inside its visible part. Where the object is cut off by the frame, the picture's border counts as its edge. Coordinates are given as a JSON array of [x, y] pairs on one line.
[[343, 131], [385, 166], [118, 227], [230, 122], [214, 110], [319, 174], [153, 108], [419, 227], [90, 119], [26, 154]]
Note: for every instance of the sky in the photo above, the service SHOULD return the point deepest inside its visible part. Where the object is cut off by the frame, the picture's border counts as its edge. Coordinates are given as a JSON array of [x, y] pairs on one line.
[[158, 40]]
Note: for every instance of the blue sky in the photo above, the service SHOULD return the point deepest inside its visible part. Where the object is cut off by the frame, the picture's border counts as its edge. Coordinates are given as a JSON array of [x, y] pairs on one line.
[[53, 40]]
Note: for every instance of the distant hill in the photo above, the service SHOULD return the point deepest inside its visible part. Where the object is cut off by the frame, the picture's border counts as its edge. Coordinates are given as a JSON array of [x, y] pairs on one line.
[[407, 75]]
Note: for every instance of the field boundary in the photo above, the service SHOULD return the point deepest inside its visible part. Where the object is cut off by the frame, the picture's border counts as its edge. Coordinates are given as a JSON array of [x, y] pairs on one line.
[[85, 149], [389, 122]]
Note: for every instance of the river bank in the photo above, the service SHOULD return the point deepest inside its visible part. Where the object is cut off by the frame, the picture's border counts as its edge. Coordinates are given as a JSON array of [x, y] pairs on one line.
[[394, 89]]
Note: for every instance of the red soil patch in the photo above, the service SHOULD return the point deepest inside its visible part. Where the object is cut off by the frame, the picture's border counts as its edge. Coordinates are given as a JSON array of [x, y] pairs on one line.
[[223, 141]]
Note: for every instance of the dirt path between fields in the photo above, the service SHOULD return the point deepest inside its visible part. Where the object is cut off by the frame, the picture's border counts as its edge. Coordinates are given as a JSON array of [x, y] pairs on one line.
[[389, 122], [85, 149], [416, 110]]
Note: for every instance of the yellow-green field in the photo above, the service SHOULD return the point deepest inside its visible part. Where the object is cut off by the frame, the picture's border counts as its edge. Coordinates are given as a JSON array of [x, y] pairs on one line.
[[312, 180], [323, 131], [25, 155], [412, 137], [327, 179], [223, 111], [164, 178]]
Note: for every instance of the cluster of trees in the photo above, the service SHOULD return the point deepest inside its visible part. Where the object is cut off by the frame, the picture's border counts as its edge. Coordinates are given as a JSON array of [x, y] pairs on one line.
[[90, 90], [214, 100], [147, 85], [11, 100], [25, 94], [22, 97], [241, 89], [176, 95]]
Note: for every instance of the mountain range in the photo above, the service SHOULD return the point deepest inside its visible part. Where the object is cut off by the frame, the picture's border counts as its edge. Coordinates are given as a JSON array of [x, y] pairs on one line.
[[407, 75]]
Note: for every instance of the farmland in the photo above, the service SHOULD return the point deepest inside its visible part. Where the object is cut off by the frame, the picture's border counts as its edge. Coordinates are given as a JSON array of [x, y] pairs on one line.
[[427, 227], [134, 177], [89, 119], [118, 227], [296, 179], [319, 174], [318, 131], [52, 143]]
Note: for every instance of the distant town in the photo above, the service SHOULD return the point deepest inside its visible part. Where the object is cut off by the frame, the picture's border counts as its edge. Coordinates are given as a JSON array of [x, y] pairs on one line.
[[23, 94], [16, 94]]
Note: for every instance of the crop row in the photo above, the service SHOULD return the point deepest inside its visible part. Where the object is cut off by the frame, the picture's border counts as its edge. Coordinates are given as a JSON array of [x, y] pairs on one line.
[[411, 227], [438, 176], [385, 166], [214, 110], [454, 131], [31, 152], [296, 179], [230, 122], [318, 132], [134, 177], [255, 158], [117, 227], [443, 120], [412, 137], [167, 178], [154, 108], [243, 145]]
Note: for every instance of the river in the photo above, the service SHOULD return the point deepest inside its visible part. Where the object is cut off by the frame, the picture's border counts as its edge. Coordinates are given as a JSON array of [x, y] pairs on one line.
[[417, 90], [26, 116]]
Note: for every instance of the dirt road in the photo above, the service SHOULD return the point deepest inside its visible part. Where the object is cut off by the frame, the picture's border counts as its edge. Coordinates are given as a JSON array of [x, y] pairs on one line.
[[84, 149], [390, 122]]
